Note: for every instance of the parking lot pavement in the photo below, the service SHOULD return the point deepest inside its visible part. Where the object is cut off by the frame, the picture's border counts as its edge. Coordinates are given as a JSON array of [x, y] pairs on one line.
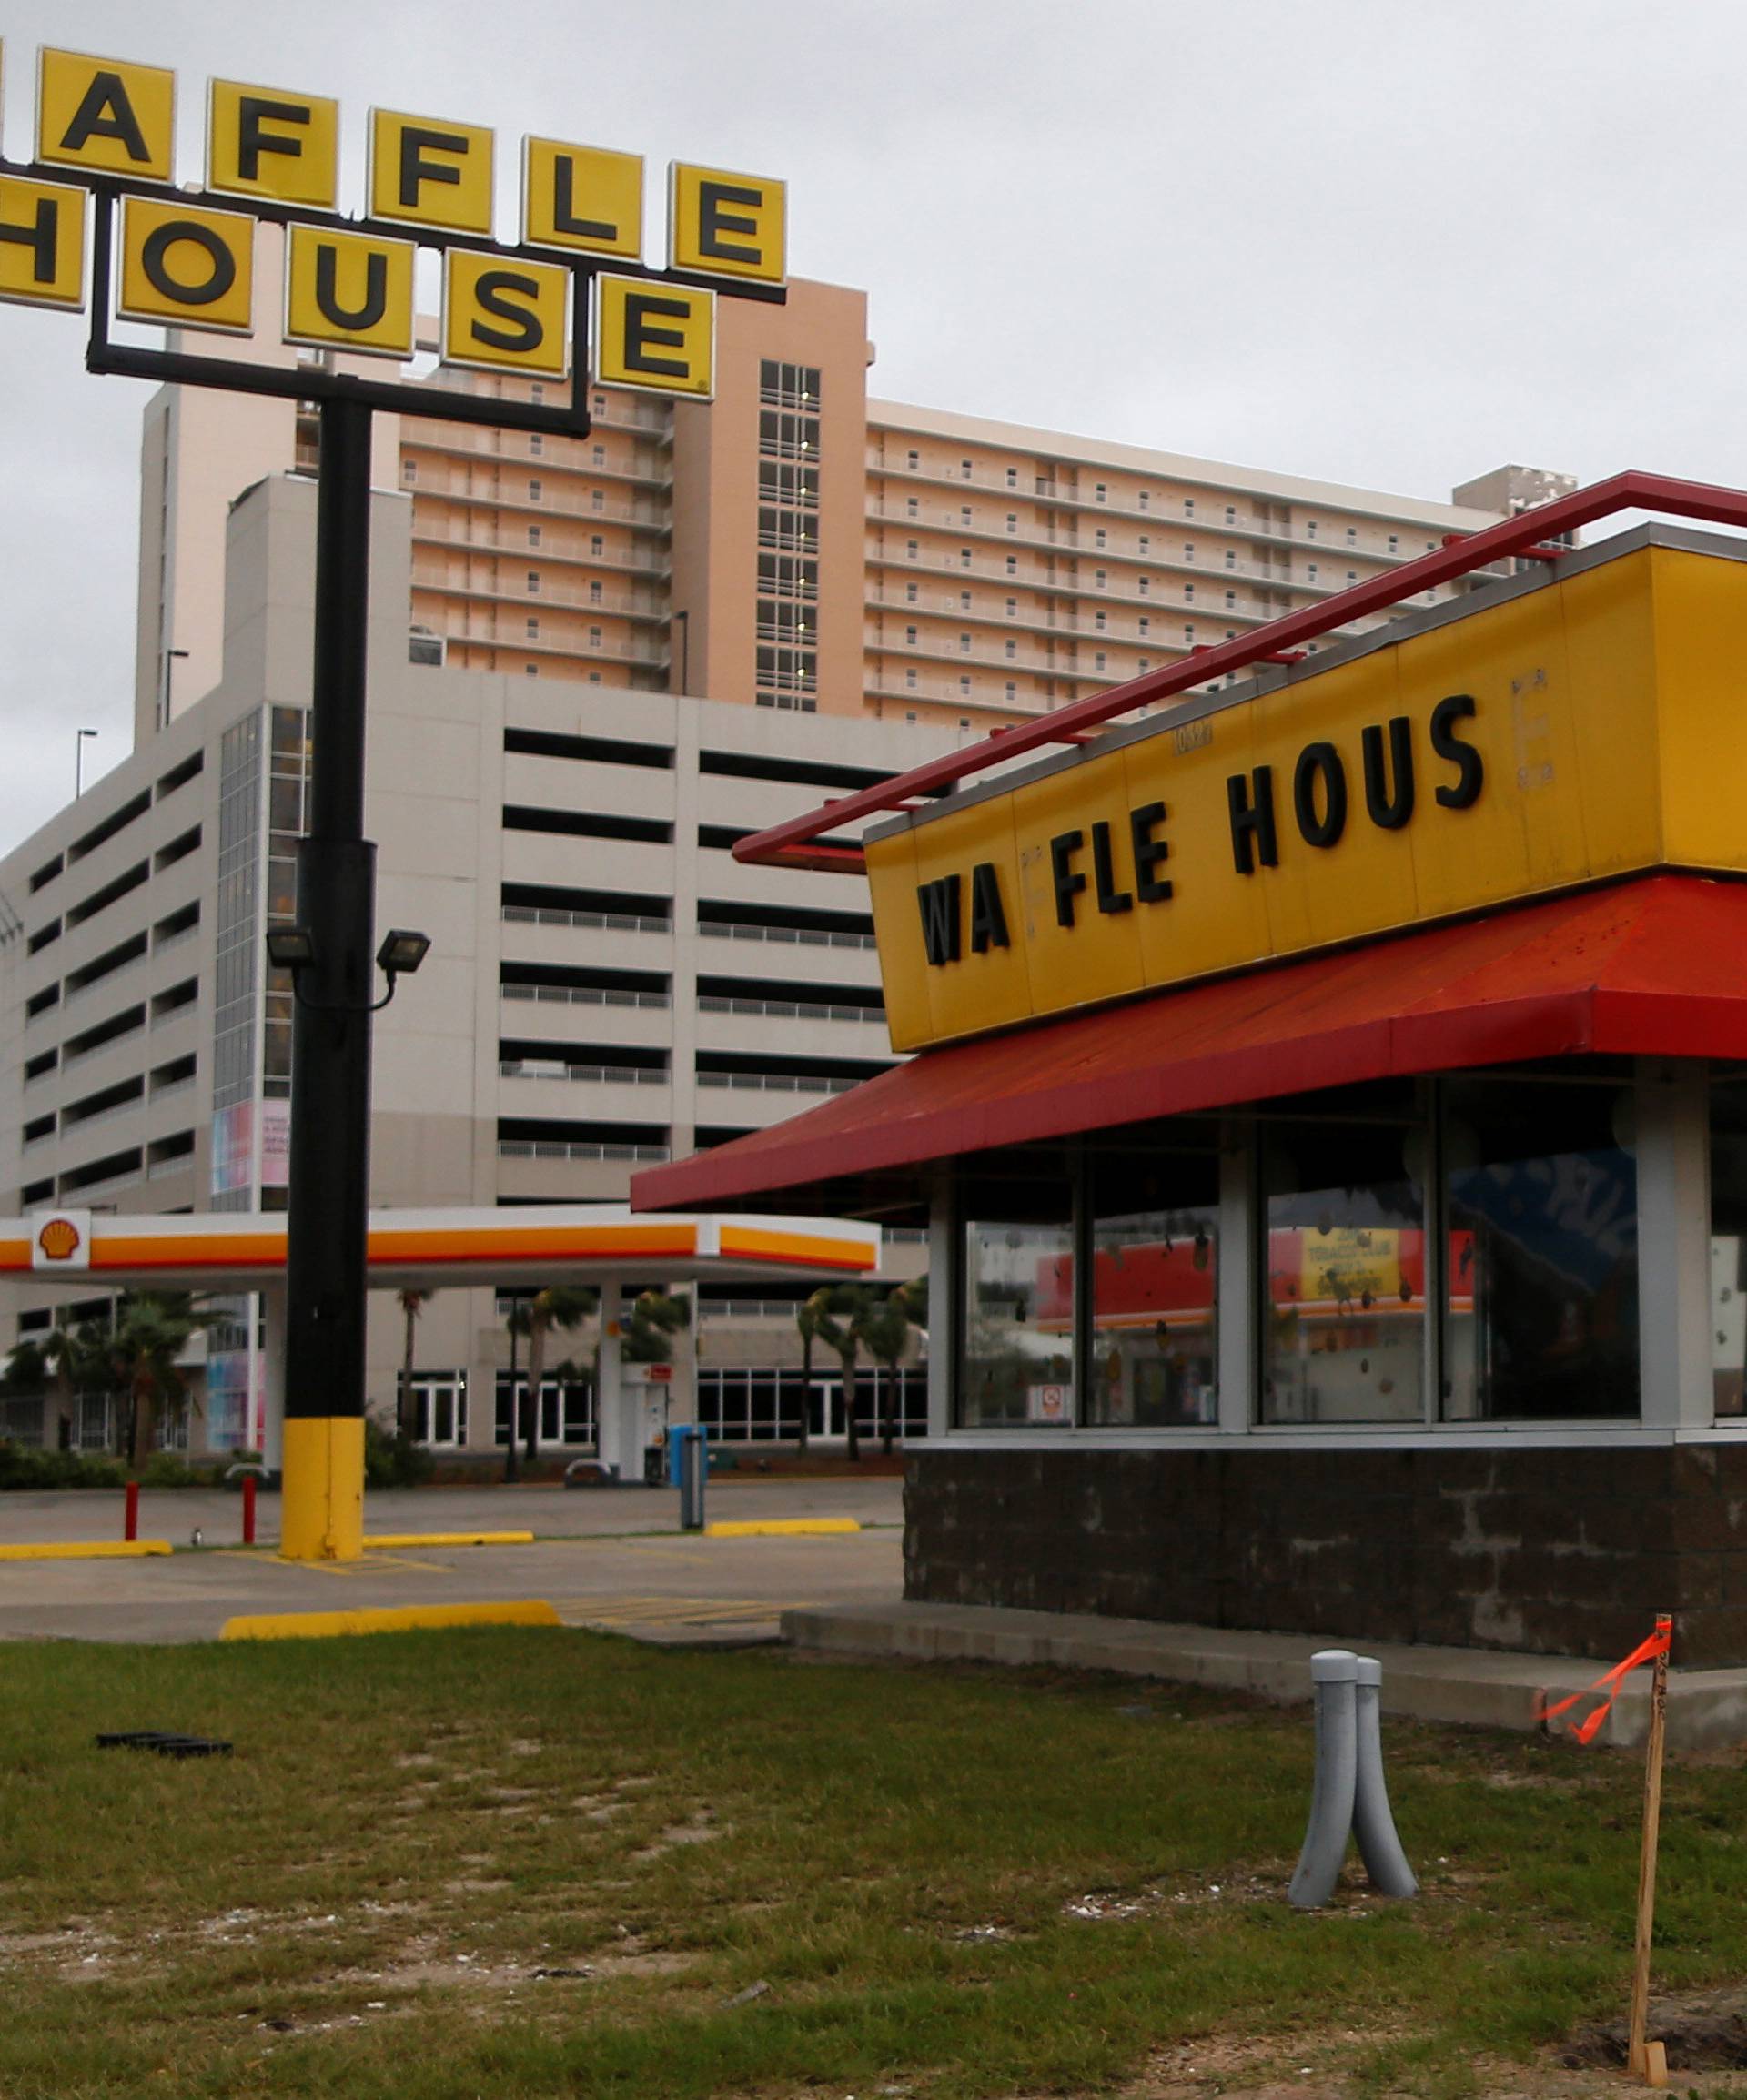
[[549, 1512], [618, 1562]]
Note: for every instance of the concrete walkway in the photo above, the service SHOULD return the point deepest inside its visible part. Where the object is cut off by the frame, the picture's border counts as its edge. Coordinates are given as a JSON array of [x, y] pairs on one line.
[[1706, 1708]]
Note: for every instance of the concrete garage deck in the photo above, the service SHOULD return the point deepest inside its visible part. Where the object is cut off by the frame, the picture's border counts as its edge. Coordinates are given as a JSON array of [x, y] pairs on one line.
[[1706, 1708]]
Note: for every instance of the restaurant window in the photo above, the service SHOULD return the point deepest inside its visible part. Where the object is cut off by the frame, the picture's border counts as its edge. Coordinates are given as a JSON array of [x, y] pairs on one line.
[[1343, 1314], [1155, 1246], [1541, 1312], [1016, 1355]]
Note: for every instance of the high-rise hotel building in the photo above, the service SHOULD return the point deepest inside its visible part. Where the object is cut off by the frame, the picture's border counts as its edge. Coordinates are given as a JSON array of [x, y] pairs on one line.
[[792, 544]]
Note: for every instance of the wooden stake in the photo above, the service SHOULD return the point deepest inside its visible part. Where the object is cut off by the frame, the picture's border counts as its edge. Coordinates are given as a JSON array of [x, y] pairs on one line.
[[1637, 2057]]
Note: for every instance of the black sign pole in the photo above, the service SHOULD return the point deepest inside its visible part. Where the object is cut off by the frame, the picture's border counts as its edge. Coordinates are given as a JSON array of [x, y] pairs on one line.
[[323, 1514]]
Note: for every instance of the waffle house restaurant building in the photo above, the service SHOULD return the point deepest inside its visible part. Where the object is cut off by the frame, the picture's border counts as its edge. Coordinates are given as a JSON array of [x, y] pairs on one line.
[[1331, 1111]]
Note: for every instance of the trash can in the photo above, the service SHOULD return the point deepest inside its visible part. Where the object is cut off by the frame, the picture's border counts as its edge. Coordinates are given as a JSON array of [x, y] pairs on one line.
[[687, 1468]]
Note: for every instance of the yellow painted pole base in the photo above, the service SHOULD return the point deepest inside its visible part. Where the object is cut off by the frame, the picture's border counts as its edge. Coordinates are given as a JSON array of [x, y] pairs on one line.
[[321, 1511]]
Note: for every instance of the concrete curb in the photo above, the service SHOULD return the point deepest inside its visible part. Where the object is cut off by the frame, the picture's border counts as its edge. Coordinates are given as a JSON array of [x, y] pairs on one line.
[[88, 1549], [780, 1527], [392, 1619], [1707, 1709]]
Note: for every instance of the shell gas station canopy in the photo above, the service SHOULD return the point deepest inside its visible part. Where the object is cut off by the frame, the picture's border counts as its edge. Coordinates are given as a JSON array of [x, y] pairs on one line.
[[427, 1249]]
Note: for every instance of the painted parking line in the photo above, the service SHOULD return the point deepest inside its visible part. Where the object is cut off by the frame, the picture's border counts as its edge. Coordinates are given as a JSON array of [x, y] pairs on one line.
[[392, 1541]]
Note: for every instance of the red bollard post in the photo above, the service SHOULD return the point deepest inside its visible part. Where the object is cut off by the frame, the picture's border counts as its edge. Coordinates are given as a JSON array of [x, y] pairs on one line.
[[130, 1531], [249, 1509]]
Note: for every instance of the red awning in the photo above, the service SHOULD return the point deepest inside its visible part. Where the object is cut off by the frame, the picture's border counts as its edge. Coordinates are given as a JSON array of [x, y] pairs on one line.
[[1655, 967]]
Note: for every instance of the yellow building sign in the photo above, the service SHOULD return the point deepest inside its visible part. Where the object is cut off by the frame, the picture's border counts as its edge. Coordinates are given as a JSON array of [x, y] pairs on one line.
[[660, 337], [349, 290], [188, 265], [1586, 729], [428, 173], [98, 114], [500, 314], [262, 142], [582, 197], [723, 224], [42, 244]]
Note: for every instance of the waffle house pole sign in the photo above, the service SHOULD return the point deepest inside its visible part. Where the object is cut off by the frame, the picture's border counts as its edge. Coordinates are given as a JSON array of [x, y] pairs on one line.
[[94, 221]]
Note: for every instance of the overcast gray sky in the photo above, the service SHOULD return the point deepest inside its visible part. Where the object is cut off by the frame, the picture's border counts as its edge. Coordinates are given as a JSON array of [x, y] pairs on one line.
[[1388, 244]]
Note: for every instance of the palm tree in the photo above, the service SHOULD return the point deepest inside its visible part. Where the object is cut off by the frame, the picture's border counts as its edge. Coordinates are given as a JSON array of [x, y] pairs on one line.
[[562, 1306], [151, 1332], [807, 1321], [838, 1312], [72, 1360], [656, 1317], [412, 1302], [885, 1328]]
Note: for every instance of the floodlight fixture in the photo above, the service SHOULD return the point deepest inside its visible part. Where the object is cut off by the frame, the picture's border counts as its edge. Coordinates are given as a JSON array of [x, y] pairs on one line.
[[290, 948]]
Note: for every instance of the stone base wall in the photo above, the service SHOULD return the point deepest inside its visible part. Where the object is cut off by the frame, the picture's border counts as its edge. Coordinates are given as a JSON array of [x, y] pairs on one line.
[[1567, 1551]]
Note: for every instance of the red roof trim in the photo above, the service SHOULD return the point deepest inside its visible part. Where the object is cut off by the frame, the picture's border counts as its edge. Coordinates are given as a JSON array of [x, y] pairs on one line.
[[1653, 967]]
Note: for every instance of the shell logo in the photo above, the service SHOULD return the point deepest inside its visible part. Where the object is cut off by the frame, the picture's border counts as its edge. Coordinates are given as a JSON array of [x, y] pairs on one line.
[[59, 1239]]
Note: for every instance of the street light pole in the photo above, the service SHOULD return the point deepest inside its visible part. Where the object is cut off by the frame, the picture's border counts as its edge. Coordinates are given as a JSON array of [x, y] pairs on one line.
[[78, 761]]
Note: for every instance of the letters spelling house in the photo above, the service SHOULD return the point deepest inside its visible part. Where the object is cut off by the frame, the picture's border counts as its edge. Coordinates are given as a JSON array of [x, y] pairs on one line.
[[1331, 1117]]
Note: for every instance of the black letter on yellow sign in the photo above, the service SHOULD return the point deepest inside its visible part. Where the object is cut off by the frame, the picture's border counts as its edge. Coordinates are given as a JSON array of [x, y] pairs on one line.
[[1388, 812], [1069, 882], [1149, 853], [564, 203], [494, 291], [375, 291], [1253, 838], [641, 308], [41, 239], [988, 920], [154, 259], [1110, 898], [252, 112], [1324, 830], [1471, 768], [939, 902], [713, 222], [106, 113], [415, 169]]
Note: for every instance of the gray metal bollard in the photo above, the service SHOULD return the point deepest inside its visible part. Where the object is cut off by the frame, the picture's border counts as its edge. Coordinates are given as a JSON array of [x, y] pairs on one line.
[[694, 1472], [1373, 1825], [1335, 1673]]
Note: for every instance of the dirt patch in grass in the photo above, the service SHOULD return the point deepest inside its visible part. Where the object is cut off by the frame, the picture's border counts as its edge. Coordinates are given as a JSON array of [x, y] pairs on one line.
[[1705, 2032]]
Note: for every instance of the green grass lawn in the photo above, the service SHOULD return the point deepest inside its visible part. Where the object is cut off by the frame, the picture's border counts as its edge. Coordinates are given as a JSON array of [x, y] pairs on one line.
[[951, 1882]]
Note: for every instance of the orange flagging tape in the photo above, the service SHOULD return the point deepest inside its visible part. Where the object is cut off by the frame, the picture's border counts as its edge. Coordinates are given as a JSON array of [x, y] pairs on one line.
[[1645, 1651]]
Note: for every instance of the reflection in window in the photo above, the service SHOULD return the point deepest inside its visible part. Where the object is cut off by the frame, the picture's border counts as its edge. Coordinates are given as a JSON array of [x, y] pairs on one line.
[[1017, 1366], [1154, 1274], [1729, 1246], [1344, 1320], [1541, 1319]]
